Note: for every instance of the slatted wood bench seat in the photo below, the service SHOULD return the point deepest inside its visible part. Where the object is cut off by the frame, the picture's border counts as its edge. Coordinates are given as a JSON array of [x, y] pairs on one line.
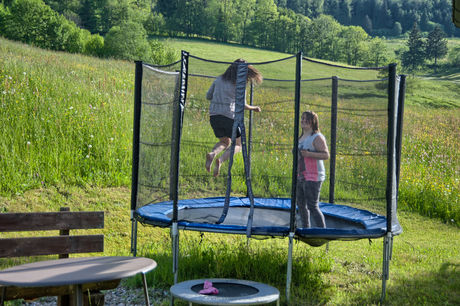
[[62, 245]]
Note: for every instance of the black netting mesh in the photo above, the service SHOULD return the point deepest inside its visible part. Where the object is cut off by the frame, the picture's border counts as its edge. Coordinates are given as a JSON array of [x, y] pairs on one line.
[[159, 94], [361, 119]]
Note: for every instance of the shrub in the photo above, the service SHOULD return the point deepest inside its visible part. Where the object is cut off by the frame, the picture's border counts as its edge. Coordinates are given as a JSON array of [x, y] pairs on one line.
[[94, 45], [454, 57], [73, 40], [127, 41], [3, 16], [162, 54]]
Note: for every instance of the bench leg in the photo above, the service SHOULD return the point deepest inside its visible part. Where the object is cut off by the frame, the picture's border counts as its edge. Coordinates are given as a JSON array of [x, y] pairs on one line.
[[146, 292], [2, 301], [78, 295]]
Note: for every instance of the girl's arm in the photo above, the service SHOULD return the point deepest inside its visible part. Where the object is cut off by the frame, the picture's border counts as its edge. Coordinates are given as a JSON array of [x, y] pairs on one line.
[[322, 152], [210, 92], [257, 109]]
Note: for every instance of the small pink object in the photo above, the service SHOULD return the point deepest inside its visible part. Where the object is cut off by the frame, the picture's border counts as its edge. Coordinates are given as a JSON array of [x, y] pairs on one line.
[[208, 288]]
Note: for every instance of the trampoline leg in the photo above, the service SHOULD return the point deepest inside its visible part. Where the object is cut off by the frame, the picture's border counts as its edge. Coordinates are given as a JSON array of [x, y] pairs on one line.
[[289, 268], [146, 291], [387, 250], [134, 237], [175, 253], [175, 249]]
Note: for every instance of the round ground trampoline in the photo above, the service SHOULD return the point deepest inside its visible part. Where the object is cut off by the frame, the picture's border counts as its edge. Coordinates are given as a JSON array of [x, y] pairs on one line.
[[230, 292], [360, 110]]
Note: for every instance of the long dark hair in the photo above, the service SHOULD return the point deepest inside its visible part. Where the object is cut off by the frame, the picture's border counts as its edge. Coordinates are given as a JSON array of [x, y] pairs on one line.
[[253, 74]]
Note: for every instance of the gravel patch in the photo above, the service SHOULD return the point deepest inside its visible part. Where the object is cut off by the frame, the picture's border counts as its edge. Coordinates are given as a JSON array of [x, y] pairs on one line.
[[120, 296]]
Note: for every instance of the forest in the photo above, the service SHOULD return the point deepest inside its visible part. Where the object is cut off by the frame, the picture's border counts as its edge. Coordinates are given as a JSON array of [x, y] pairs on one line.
[[347, 31]]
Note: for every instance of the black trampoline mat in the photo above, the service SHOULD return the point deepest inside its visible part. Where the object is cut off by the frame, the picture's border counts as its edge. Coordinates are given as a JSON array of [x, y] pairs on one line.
[[229, 289]]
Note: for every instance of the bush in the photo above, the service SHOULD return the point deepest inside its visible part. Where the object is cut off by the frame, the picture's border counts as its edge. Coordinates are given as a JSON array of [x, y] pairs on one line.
[[74, 41], [454, 57], [33, 22], [3, 16], [162, 54], [94, 45], [127, 41]]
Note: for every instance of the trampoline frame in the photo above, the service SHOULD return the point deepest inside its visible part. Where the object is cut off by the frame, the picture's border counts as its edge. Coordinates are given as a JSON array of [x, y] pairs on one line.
[[394, 140]]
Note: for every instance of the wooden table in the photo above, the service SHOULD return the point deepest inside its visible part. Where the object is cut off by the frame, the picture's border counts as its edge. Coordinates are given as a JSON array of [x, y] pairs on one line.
[[76, 272], [231, 292]]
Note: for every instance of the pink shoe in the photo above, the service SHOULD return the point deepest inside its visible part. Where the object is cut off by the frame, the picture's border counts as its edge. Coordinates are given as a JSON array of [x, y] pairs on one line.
[[208, 288]]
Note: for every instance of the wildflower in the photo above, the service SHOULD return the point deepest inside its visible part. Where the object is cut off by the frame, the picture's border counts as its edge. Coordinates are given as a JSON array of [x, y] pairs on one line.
[[87, 156], [28, 143], [92, 136], [111, 138], [90, 146], [71, 107]]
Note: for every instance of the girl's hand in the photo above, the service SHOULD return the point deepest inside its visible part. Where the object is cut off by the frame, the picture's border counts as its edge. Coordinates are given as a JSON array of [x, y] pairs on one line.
[[304, 153], [257, 109]]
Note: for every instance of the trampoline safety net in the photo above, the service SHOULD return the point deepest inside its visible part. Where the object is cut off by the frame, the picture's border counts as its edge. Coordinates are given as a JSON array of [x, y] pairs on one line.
[[356, 115]]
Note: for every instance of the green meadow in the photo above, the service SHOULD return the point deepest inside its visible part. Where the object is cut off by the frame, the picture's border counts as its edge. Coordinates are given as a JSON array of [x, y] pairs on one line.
[[67, 141]]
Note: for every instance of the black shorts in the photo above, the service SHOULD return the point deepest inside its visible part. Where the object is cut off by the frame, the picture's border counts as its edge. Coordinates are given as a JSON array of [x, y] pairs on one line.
[[222, 126]]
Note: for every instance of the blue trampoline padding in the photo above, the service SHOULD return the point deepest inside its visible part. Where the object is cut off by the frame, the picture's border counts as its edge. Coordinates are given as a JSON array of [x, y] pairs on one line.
[[368, 224]]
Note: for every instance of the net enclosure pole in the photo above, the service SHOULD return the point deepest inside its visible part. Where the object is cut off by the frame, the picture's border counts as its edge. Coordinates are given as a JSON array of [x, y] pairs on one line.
[[251, 101], [401, 99], [135, 165], [391, 188], [391, 145], [332, 164], [295, 151], [295, 155], [179, 108]]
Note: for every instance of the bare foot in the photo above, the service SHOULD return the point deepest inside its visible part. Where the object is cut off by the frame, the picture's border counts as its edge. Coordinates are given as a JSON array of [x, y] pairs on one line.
[[209, 159], [217, 168]]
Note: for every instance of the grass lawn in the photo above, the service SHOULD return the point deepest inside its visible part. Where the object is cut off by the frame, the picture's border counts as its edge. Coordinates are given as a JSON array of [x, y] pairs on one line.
[[424, 269]]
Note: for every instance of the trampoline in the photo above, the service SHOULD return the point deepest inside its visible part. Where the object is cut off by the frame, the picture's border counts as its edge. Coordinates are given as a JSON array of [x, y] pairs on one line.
[[360, 110], [271, 218], [231, 292]]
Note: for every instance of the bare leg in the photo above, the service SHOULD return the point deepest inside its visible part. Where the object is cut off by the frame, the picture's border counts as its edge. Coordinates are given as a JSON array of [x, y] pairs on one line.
[[223, 143], [226, 156]]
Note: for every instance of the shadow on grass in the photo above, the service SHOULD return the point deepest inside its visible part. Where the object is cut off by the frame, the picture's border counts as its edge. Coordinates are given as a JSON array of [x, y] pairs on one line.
[[436, 288], [233, 258]]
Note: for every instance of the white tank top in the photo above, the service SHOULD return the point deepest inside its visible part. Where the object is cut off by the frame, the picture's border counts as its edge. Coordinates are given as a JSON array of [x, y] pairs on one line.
[[314, 168]]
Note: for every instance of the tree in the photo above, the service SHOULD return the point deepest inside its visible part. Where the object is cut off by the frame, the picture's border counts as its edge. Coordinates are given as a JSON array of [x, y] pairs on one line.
[[321, 41], [261, 28], [354, 47], [397, 29], [415, 56], [436, 45], [377, 54]]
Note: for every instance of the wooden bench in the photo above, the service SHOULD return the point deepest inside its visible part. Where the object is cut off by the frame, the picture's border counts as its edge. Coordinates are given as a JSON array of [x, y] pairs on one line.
[[62, 245]]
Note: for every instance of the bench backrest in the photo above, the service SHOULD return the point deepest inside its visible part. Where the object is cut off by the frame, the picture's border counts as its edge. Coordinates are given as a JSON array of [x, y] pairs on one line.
[[43, 221]]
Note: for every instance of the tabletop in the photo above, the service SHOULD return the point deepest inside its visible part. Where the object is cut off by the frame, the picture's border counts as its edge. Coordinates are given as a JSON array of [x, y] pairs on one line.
[[75, 271]]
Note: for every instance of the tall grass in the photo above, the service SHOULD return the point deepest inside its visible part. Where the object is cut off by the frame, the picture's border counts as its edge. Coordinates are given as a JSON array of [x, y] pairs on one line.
[[64, 118], [67, 119]]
